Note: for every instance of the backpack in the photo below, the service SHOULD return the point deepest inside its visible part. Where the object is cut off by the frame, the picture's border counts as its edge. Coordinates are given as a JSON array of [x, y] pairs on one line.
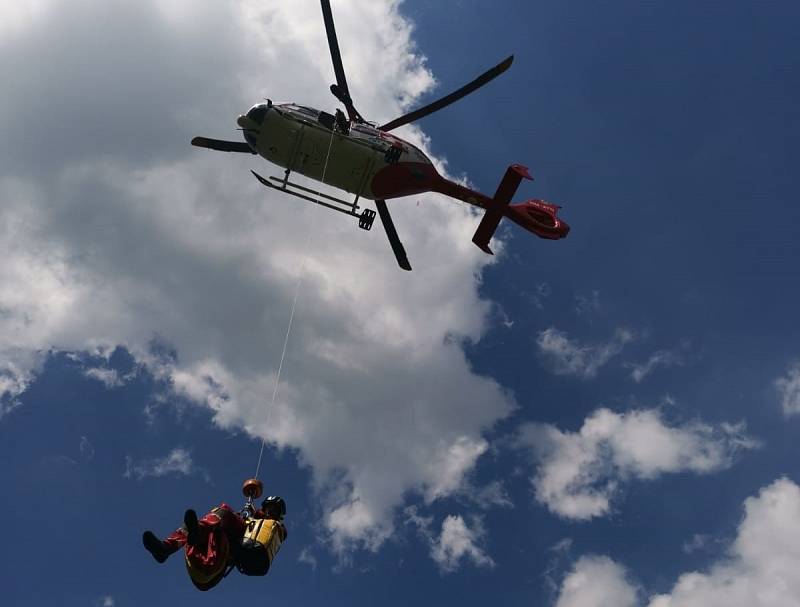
[[261, 542]]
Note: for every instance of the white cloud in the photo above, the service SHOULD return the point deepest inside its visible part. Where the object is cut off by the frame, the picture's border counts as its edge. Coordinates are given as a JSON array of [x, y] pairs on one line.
[[13, 382], [149, 238], [596, 581], [759, 570], [457, 543], [558, 553], [578, 473], [422, 523], [177, 462], [762, 566], [698, 542], [562, 546], [110, 378], [58, 462], [539, 295], [565, 356], [17, 16], [17, 370], [660, 358], [587, 304], [307, 557], [491, 495], [789, 389], [451, 463], [86, 449]]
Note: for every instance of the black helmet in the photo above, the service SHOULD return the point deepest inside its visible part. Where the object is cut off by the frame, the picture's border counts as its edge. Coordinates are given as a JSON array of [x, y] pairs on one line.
[[274, 506]]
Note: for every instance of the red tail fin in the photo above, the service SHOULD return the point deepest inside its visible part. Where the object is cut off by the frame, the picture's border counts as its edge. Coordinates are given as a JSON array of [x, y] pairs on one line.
[[494, 213]]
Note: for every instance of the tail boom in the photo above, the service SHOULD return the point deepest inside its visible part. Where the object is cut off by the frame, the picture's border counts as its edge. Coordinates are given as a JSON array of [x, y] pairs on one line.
[[534, 215]]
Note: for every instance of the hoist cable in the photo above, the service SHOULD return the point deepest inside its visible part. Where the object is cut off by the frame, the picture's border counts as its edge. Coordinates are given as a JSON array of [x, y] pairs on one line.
[[291, 316]]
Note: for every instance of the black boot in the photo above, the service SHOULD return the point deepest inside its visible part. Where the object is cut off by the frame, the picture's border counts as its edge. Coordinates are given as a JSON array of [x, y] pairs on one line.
[[190, 520], [155, 546]]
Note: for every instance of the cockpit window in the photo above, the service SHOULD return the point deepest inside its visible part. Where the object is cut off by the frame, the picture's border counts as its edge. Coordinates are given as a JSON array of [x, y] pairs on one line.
[[365, 127], [327, 120], [257, 113], [308, 111]]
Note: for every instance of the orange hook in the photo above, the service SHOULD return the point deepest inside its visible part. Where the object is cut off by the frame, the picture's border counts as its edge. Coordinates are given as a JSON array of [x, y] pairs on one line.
[[252, 488]]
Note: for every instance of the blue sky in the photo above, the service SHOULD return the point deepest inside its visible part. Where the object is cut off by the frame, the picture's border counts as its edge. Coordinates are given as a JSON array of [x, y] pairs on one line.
[[581, 422]]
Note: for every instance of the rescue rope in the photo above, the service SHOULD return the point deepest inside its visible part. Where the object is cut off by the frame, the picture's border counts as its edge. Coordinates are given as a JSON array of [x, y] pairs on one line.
[[291, 314]]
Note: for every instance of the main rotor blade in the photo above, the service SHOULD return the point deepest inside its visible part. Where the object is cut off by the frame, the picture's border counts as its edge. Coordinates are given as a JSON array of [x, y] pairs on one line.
[[341, 91], [394, 239], [222, 146], [465, 90]]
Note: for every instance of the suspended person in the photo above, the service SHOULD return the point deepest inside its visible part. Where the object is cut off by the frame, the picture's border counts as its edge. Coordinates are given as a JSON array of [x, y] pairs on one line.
[[223, 539]]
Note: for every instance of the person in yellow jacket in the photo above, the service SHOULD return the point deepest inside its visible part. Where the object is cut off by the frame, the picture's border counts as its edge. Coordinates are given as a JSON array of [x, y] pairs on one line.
[[222, 539]]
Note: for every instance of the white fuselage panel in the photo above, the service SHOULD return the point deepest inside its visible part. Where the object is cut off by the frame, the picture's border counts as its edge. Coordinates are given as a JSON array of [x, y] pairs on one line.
[[293, 139]]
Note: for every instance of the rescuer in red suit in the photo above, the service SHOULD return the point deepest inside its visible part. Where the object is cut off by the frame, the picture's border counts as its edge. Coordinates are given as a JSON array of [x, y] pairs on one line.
[[212, 542]]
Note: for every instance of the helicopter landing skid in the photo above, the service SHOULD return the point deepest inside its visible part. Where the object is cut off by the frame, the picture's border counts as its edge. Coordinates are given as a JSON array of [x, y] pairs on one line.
[[365, 218]]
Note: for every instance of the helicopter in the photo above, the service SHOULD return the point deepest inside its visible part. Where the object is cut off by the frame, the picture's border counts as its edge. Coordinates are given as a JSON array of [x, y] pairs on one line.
[[366, 160]]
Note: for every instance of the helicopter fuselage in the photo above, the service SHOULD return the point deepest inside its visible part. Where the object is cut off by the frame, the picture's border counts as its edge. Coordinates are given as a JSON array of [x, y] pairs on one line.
[[359, 159]]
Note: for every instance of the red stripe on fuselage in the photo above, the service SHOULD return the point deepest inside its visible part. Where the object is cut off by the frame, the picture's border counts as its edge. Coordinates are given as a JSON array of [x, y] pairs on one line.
[[404, 179]]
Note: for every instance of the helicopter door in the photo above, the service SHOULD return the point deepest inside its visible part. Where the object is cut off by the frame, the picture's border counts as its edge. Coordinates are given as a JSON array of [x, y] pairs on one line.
[[367, 172]]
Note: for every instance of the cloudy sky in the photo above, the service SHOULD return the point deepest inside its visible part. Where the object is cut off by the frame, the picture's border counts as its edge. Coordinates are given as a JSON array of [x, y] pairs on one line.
[[610, 419]]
